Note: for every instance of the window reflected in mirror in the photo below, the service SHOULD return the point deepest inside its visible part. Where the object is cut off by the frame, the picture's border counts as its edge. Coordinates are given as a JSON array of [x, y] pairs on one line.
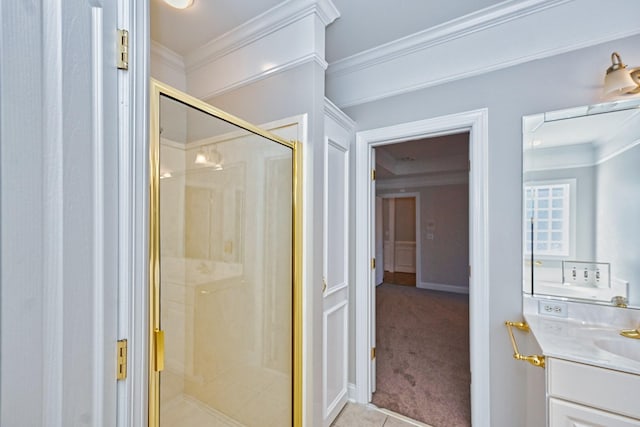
[[581, 203]]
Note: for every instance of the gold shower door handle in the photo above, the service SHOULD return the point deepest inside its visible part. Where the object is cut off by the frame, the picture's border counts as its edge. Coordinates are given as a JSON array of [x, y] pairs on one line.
[[158, 336], [535, 360]]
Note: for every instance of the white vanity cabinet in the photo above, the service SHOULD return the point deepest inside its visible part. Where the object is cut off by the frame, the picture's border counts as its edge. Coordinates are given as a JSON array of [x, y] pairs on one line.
[[581, 395]]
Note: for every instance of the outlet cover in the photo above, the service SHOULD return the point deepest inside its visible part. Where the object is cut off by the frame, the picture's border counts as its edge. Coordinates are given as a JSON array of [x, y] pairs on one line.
[[553, 308]]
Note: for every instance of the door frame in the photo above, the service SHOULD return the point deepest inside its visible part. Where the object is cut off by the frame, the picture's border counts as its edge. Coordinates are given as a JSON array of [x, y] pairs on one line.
[[415, 195], [476, 123]]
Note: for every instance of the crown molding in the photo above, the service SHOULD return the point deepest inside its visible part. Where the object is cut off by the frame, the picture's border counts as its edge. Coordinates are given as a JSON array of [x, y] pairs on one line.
[[475, 44], [271, 21], [332, 110], [169, 57], [312, 57], [451, 30]]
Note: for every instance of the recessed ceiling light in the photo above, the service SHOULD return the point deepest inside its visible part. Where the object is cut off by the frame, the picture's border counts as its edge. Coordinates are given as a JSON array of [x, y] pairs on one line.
[[179, 4], [536, 142]]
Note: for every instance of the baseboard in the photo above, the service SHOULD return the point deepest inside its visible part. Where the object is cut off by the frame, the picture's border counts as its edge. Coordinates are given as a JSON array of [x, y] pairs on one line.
[[443, 287], [351, 392]]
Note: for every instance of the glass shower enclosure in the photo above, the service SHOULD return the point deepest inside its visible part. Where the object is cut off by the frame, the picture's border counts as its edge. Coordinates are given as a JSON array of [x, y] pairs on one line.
[[224, 288]]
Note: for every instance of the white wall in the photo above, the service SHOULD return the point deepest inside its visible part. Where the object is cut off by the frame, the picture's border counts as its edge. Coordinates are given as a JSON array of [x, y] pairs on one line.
[[444, 214], [167, 67], [534, 87]]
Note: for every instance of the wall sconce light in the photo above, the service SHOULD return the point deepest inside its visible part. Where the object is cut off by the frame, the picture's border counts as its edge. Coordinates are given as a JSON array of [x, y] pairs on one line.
[[179, 4], [619, 79], [209, 156]]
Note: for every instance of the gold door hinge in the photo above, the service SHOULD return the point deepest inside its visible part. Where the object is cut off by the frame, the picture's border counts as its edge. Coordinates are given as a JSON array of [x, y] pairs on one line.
[[121, 361], [373, 353], [159, 350], [373, 263], [373, 174], [123, 50]]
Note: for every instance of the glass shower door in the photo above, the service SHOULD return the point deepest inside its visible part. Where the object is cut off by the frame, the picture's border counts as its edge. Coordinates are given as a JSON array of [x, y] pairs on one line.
[[222, 288]]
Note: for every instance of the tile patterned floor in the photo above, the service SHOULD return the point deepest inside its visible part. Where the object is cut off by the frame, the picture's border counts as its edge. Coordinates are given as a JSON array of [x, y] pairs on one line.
[[354, 415]]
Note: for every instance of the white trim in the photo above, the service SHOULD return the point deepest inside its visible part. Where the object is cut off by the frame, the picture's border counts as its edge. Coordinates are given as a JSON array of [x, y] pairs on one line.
[[328, 409], [170, 58], [443, 287], [259, 27], [335, 289], [100, 205], [459, 27], [418, 241], [312, 57], [477, 123], [332, 110], [403, 419], [441, 54], [351, 387], [133, 197]]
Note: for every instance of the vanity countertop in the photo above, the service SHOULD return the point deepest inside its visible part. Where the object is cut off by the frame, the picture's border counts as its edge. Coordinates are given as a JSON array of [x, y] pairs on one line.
[[576, 337]]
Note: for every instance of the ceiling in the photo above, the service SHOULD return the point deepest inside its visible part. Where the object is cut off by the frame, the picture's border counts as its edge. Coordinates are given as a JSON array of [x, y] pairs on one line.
[[589, 129], [435, 155], [363, 24]]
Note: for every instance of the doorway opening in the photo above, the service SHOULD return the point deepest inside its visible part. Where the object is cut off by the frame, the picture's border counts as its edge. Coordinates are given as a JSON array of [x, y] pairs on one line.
[[398, 234], [473, 124], [422, 306]]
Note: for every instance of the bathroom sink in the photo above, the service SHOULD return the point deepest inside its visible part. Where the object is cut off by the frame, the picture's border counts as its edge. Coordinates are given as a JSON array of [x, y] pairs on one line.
[[629, 349]]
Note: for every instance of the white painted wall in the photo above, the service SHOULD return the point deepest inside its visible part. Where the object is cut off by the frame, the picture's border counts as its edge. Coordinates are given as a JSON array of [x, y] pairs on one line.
[[167, 66], [537, 86]]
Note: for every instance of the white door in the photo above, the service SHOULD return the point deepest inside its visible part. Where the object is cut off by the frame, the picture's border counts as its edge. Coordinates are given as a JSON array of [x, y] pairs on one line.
[[335, 292], [59, 212]]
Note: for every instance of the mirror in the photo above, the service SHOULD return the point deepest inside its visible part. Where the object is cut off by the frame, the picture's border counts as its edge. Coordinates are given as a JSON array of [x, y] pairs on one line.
[[581, 203]]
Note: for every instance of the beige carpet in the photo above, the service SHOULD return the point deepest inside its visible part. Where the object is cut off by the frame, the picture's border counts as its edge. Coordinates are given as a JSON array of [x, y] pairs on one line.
[[423, 355]]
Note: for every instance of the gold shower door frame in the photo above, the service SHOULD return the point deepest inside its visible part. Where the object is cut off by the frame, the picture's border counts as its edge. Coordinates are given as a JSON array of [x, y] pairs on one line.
[[156, 335]]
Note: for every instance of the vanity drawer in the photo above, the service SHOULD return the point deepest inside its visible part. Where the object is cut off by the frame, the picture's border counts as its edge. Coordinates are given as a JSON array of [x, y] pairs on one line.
[[597, 387], [562, 414]]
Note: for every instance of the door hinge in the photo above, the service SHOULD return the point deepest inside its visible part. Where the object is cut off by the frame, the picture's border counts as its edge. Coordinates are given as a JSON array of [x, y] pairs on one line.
[[469, 165], [373, 174], [469, 271], [373, 263], [121, 360], [373, 353], [123, 50]]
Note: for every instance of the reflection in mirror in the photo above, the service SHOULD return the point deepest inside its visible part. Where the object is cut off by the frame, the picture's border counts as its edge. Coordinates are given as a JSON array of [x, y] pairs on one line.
[[581, 196], [226, 284]]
